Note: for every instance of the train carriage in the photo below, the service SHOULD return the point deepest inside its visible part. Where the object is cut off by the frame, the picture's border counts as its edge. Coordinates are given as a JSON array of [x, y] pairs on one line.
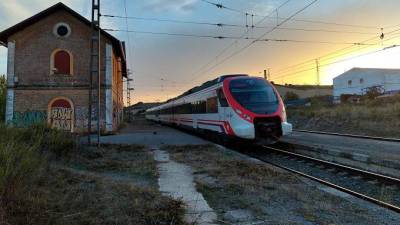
[[235, 106]]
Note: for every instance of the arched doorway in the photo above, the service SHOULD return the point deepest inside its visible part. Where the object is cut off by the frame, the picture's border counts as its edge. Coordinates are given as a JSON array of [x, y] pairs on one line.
[[61, 114]]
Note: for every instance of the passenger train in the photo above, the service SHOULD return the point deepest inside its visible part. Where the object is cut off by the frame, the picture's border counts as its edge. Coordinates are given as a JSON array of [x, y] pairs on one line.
[[234, 106]]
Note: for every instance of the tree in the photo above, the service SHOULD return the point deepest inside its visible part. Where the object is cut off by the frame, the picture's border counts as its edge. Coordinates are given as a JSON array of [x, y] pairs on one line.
[[3, 97]]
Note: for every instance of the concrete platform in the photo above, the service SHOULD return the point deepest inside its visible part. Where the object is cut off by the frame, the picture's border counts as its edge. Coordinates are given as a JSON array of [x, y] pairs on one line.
[[144, 132], [374, 155]]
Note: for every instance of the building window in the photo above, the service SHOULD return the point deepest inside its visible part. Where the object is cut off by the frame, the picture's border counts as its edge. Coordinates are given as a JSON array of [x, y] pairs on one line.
[[61, 62], [62, 30], [361, 81], [350, 82]]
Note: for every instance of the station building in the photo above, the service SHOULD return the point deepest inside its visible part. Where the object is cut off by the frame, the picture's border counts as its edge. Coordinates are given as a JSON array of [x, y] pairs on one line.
[[48, 72]]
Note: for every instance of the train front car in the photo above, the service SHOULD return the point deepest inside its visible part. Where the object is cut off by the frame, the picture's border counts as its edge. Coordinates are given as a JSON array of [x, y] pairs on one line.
[[256, 110]]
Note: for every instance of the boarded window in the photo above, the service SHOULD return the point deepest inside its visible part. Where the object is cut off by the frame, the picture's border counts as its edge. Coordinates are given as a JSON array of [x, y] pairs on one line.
[[212, 105], [62, 62]]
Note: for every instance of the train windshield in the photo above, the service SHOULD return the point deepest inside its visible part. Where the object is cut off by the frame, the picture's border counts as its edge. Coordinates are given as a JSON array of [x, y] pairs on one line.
[[255, 95]]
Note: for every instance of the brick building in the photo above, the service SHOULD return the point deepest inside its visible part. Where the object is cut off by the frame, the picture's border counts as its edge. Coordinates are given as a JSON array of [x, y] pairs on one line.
[[48, 72]]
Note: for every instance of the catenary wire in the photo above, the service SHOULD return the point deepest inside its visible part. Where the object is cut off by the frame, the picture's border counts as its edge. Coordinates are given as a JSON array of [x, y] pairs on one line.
[[334, 55], [237, 38], [221, 6], [262, 36], [237, 25]]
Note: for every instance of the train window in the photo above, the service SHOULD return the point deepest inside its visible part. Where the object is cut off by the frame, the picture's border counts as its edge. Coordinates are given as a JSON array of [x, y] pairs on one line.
[[212, 105], [198, 107], [222, 99], [255, 95], [203, 107]]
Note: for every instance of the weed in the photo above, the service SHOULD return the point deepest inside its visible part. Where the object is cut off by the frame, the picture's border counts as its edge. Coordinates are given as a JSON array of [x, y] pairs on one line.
[[377, 117]]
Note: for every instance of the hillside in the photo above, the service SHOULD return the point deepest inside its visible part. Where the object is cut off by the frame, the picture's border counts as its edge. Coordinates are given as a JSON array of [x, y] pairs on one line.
[[379, 117]]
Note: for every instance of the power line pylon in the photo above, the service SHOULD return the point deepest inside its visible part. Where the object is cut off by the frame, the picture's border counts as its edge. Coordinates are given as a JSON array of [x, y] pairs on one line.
[[94, 70]]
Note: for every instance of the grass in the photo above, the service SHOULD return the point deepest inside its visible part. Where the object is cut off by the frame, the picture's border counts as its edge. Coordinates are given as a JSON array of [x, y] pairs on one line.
[[45, 178], [229, 181], [378, 117]]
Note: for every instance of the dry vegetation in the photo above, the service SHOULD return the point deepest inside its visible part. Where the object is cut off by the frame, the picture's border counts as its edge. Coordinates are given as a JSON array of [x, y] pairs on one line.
[[378, 117], [230, 181], [46, 179]]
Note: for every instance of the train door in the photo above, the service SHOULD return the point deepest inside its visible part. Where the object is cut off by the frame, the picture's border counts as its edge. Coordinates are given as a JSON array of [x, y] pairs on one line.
[[223, 105]]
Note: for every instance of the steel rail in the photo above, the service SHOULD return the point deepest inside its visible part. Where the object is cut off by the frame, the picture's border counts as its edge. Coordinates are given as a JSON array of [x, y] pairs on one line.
[[350, 135], [346, 190], [372, 175]]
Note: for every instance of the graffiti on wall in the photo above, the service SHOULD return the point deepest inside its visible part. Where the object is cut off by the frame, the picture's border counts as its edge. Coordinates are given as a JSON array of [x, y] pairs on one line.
[[61, 115], [81, 117], [28, 118]]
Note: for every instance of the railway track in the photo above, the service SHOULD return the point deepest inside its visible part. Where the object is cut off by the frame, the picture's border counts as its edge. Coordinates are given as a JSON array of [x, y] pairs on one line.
[[376, 188], [350, 135]]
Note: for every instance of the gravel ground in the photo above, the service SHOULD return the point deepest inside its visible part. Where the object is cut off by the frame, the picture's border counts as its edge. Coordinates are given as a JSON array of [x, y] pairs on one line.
[[242, 189], [373, 188]]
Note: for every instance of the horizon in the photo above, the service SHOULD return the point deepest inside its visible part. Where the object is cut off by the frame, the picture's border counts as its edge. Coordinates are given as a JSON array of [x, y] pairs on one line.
[[165, 63]]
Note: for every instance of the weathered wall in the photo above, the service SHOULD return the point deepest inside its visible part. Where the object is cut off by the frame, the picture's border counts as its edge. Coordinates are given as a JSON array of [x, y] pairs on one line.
[[37, 87], [31, 106], [117, 92]]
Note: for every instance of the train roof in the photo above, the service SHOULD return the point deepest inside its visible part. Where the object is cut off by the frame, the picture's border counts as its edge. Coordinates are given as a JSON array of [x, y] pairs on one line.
[[207, 84], [204, 86]]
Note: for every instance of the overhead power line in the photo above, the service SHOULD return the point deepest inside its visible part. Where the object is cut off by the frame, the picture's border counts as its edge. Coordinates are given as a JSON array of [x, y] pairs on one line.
[[236, 25], [233, 43], [236, 38], [299, 71], [175, 34], [262, 36], [334, 53], [339, 61], [221, 6]]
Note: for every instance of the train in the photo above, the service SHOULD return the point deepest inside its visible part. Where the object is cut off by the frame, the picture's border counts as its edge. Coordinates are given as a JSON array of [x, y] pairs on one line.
[[237, 106]]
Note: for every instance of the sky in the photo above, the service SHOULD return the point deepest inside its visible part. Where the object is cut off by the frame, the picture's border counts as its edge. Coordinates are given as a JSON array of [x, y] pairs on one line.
[[164, 66]]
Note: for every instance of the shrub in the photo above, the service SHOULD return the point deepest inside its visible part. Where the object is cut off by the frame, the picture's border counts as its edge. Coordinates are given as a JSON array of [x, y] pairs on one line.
[[23, 153]]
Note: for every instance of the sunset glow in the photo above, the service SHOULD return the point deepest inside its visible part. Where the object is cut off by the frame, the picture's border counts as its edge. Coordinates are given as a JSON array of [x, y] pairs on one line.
[[164, 66]]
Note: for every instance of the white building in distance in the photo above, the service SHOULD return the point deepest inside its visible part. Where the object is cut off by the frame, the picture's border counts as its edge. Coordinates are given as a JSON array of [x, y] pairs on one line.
[[357, 80]]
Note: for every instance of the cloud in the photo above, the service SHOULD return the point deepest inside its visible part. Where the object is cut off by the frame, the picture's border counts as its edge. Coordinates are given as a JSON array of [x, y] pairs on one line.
[[14, 11], [171, 5]]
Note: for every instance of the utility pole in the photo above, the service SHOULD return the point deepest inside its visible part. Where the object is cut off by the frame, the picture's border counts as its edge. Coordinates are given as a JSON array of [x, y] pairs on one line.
[[318, 78], [128, 93], [94, 69], [267, 74], [317, 66]]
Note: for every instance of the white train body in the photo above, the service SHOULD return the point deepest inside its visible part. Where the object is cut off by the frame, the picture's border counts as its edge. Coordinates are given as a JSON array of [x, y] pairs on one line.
[[236, 106]]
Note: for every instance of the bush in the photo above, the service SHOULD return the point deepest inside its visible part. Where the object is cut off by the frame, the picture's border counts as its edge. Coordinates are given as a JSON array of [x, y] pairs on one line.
[[23, 153]]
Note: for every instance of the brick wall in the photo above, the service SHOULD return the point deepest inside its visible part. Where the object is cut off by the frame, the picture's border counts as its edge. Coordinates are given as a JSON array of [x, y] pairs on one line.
[[36, 85]]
